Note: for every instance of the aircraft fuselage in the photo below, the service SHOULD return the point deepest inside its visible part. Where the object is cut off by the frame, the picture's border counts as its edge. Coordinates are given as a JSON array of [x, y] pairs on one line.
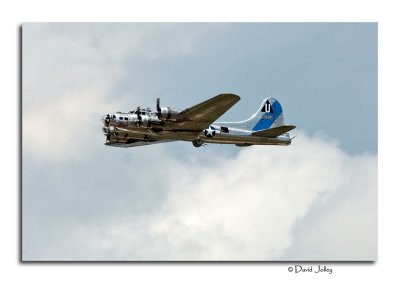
[[149, 128]]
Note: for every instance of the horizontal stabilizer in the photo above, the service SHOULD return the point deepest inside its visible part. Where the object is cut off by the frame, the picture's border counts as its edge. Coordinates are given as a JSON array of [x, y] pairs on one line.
[[274, 132]]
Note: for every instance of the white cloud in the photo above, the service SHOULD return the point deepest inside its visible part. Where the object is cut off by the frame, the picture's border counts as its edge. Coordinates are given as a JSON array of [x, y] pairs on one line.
[[69, 71], [246, 207], [64, 87], [343, 227]]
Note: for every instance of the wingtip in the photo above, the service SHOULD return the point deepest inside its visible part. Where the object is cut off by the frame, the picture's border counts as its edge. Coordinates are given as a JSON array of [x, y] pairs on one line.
[[234, 96]]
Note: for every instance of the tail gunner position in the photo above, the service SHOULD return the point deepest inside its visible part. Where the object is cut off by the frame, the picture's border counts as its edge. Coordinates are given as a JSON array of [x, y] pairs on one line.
[[197, 125]]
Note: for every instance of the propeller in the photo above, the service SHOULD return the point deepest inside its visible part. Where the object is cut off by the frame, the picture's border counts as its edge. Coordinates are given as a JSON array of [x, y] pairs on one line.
[[158, 107], [139, 117], [107, 133], [107, 120]]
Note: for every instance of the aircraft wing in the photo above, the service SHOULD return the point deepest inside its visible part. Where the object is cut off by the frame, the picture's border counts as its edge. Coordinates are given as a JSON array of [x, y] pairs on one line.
[[274, 132], [200, 116]]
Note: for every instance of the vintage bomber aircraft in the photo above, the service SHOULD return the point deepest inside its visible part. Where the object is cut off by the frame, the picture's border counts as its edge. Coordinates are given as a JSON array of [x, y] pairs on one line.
[[197, 125]]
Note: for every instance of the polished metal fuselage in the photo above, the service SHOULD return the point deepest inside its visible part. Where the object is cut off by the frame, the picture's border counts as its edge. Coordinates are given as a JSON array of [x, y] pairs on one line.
[[127, 128]]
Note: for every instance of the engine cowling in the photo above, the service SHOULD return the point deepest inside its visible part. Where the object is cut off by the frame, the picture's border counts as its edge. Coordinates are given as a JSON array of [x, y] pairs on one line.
[[146, 120], [167, 113]]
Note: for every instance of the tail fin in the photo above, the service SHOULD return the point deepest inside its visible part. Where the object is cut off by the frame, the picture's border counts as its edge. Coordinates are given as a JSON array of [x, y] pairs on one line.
[[269, 115]]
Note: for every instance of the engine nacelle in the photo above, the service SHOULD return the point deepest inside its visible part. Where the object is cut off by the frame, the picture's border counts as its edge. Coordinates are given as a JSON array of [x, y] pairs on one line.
[[146, 120], [168, 113]]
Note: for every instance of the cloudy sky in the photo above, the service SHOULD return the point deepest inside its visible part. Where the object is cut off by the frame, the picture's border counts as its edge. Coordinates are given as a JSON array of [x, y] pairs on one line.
[[313, 200]]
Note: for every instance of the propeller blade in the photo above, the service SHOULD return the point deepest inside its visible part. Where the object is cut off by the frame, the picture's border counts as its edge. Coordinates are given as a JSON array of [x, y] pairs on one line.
[[139, 117], [107, 137], [158, 107]]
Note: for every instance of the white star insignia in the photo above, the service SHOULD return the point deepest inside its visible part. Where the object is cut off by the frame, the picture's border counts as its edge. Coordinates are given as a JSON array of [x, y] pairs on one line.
[[209, 132]]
